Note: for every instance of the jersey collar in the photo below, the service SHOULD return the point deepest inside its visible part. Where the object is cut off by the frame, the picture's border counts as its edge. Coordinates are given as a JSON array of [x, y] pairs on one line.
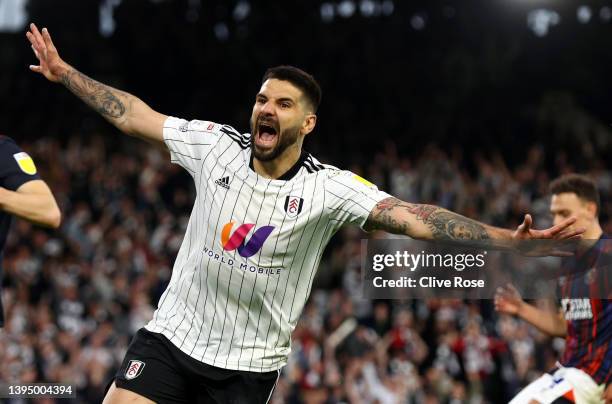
[[290, 173]]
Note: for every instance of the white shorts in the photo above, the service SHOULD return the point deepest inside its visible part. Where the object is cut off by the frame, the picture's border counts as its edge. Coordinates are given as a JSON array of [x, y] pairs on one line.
[[570, 383]]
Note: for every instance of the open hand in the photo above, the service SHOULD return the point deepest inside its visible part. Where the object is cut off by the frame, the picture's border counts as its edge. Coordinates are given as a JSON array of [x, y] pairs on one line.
[[51, 65], [560, 236], [508, 300]]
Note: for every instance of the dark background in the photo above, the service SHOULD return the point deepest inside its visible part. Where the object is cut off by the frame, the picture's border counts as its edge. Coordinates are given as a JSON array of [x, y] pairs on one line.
[[458, 103], [475, 74]]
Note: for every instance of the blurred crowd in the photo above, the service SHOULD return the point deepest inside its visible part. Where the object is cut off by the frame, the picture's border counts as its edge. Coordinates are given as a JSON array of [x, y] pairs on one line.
[[75, 297], [463, 113]]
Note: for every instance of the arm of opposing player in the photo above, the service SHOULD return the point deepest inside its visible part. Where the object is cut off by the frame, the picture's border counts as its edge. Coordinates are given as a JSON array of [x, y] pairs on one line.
[[127, 112], [32, 201], [548, 321], [22, 192], [547, 318]]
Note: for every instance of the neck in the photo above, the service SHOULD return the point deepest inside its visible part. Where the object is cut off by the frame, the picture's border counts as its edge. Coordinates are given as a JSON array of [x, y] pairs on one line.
[[277, 167], [593, 232], [590, 237]]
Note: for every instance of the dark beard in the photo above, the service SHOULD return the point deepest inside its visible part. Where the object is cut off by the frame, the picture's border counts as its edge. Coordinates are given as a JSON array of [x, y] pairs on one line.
[[286, 138]]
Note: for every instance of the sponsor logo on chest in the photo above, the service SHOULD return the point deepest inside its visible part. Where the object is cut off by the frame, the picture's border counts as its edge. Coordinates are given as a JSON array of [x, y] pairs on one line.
[[577, 309]]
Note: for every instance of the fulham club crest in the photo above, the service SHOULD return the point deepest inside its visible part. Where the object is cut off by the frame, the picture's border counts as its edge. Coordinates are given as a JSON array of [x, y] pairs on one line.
[[134, 369], [293, 205]]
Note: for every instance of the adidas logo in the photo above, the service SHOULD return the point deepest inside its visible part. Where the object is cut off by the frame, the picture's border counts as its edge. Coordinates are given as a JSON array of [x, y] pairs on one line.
[[224, 182]]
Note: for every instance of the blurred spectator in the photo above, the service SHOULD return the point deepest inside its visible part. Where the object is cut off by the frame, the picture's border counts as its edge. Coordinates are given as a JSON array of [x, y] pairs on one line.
[[75, 297]]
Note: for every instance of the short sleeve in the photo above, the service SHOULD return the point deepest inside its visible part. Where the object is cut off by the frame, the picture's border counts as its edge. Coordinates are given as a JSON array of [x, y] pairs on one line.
[[190, 141], [16, 166], [351, 198]]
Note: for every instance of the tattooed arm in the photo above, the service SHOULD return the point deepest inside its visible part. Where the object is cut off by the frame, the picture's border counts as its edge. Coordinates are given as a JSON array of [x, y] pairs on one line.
[[428, 222], [127, 112]]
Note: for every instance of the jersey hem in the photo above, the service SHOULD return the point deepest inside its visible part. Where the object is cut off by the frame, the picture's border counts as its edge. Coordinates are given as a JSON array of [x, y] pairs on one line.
[[220, 364]]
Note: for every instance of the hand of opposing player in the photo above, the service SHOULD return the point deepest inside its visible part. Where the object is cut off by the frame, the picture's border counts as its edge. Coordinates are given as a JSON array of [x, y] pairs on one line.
[[508, 300], [51, 65]]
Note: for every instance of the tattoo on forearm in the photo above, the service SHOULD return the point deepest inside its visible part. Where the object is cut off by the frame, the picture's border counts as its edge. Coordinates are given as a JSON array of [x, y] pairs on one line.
[[443, 224], [98, 96], [446, 225]]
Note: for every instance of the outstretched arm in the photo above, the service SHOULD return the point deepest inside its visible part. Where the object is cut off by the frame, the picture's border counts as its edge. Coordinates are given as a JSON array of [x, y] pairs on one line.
[[548, 320], [127, 112], [32, 201], [429, 222]]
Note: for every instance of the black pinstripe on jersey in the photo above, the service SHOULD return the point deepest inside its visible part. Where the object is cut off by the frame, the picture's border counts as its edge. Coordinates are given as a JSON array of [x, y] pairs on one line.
[[237, 311]]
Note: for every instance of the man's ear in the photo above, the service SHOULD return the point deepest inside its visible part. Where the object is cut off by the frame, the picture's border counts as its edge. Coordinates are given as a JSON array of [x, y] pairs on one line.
[[309, 123], [592, 208]]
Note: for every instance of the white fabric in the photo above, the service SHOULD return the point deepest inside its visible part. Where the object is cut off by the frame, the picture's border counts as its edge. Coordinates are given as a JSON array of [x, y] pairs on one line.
[[547, 388], [222, 306]]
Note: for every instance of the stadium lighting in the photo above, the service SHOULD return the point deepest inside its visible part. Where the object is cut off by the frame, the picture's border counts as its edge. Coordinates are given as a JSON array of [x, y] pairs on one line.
[[221, 31], [584, 14], [387, 7], [242, 10], [418, 22], [327, 12], [368, 8], [13, 15], [541, 19], [107, 23], [346, 8], [605, 13]]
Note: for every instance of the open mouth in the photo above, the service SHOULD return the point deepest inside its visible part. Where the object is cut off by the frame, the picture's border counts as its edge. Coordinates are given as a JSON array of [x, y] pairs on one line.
[[266, 134]]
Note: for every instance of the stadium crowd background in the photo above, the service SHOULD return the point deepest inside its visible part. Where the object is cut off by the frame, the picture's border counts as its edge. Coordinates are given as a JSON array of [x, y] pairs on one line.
[[460, 105]]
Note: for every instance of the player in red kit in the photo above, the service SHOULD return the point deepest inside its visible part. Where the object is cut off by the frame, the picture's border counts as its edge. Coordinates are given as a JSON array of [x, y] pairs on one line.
[[584, 373]]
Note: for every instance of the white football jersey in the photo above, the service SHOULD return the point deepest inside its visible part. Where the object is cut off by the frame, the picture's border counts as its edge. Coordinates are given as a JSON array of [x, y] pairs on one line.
[[251, 249]]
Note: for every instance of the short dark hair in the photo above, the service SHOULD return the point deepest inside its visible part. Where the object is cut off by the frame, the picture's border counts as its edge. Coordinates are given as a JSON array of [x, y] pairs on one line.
[[583, 186], [300, 79]]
